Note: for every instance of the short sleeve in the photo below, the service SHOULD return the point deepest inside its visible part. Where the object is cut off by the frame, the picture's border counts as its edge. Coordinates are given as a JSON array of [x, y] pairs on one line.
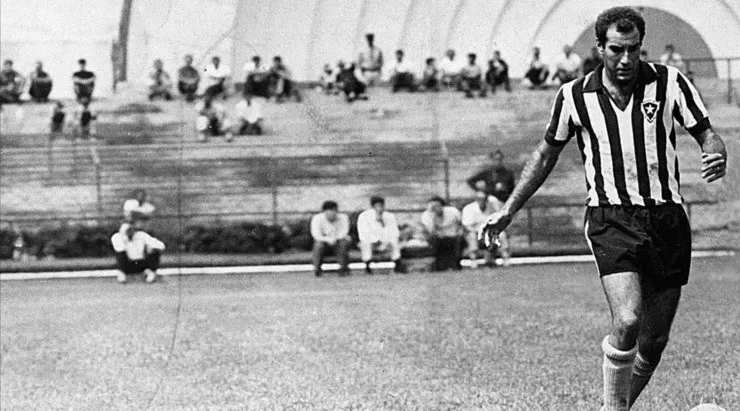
[[560, 128], [690, 110]]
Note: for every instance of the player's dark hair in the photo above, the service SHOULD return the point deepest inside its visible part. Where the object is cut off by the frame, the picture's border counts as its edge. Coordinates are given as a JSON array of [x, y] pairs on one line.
[[329, 205], [626, 19], [81, 61], [376, 200], [438, 199]]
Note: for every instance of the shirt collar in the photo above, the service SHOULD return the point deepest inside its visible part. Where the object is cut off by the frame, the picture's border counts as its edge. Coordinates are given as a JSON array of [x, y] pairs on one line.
[[646, 75]]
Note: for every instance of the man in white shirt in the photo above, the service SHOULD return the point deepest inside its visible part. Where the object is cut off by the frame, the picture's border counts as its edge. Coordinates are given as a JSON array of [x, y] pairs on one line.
[[569, 66], [257, 79], [215, 77], [378, 232], [474, 216], [402, 74], [160, 84], [370, 61], [450, 68], [537, 70], [137, 204], [247, 118], [136, 251], [443, 229], [471, 77], [330, 231]]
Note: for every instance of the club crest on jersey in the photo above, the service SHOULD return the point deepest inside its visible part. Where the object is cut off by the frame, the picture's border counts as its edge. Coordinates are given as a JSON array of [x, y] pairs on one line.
[[650, 110]]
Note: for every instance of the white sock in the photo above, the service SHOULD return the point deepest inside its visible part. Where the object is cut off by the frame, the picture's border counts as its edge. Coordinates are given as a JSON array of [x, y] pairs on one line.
[[617, 376]]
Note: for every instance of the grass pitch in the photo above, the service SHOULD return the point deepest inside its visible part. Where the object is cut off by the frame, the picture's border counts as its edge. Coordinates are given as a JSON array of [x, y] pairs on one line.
[[521, 338]]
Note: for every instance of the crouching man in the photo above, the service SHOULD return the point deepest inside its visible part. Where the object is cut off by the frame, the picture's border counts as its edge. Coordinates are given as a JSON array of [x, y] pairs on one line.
[[378, 232], [136, 251]]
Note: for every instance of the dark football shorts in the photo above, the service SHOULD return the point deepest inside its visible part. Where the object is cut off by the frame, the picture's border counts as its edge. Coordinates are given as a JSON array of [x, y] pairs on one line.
[[652, 241]]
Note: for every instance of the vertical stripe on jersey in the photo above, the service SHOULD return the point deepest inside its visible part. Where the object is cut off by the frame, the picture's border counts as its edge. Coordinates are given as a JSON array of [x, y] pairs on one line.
[[580, 106], [660, 132], [589, 170], [638, 134], [615, 146], [555, 118], [696, 112]]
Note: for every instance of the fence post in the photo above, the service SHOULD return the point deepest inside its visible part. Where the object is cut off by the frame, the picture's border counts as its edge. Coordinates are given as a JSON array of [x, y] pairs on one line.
[[529, 226], [446, 165], [729, 81], [98, 180], [274, 193]]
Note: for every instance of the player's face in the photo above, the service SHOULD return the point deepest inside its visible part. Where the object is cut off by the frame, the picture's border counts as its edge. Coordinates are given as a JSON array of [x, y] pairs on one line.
[[379, 208], [331, 214], [436, 207], [621, 55]]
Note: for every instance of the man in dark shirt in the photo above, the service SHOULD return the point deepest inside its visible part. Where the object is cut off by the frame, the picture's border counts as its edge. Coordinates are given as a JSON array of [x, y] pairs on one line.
[[40, 84], [495, 179], [11, 84], [349, 82], [498, 73], [188, 79], [84, 82]]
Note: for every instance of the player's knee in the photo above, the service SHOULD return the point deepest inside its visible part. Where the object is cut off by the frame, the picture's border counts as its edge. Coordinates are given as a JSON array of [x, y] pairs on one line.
[[627, 322]]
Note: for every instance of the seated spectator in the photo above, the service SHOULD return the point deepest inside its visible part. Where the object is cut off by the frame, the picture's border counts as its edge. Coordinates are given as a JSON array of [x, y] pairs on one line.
[[568, 67], [215, 76], [11, 84], [211, 120], [327, 79], [592, 61], [40, 84], [160, 84], [449, 69], [474, 217], [330, 231], [247, 118], [351, 82], [443, 230], [282, 81], [370, 62], [471, 77], [537, 71], [137, 204], [58, 117], [402, 74], [671, 57], [136, 251], [83, 121], [378, 232], [430, 77], [257, 81], [188, 79], [498, 73], [84, 82]]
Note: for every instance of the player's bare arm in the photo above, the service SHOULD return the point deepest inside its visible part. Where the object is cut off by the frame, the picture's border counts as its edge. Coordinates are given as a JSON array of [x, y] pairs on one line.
[[535, 173], [714, 155]]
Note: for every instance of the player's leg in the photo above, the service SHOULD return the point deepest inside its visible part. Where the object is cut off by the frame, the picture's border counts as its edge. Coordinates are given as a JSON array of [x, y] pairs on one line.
[[122, 263], [471, 237], [319, 250], [366, 254], [341, 250], [395, 251], [624, 295], [504, 247], [151, 264], [658, 311]]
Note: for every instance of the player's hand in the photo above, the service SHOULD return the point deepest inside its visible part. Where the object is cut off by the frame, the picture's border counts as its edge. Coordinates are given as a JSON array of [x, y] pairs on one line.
[[495, 224], [714, 166]]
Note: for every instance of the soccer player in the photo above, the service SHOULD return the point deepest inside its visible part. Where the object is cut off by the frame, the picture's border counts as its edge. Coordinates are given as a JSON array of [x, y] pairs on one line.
[[622, 115]]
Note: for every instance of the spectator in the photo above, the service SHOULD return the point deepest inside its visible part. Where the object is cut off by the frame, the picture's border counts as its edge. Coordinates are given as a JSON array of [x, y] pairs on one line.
[[537, 71], [188, 79], [138, 204], [83, 121], [160, 84], [495, 179], [351, 82], [569, 66], [327, 79], [449, 69], [11, 84], [430, 77], [211, 120], [592, 61], [471, 78], [247, 118], [402, 74], [40, 84], [378, 232], [474, 217], [58, 116], [282, 81], [215, 76], [84, 82], [671, 58], [443, 229], [371, 61], [330, 231], [498, 73], [136, 251], [257, 81]]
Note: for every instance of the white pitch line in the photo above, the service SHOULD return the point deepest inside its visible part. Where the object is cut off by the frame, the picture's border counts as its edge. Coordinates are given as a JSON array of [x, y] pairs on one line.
[[295, 268]]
